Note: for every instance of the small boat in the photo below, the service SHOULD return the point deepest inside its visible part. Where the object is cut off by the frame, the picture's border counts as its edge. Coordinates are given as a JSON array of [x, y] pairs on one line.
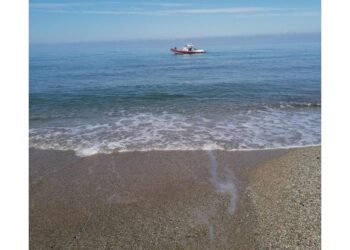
[[188, 49]]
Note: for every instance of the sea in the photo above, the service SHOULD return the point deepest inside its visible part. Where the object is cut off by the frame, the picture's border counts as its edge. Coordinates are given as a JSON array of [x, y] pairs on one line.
[[245, 93]]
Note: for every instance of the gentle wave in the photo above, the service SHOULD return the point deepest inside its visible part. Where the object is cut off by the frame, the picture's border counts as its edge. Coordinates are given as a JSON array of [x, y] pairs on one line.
[[147, 131], [299, 104], [75, 111]]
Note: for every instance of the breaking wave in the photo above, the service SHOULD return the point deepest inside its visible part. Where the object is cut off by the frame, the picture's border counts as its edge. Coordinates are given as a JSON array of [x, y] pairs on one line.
[[147, 131]]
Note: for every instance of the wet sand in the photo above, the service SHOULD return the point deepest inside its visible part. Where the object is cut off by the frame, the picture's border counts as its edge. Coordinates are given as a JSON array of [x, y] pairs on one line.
[[267, 199]]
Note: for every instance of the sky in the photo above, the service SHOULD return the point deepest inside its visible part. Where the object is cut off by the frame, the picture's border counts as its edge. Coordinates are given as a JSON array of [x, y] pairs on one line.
[[58, 21]]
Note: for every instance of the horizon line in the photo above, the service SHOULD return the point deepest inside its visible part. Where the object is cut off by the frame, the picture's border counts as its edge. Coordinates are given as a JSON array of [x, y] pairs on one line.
[[179, 38]]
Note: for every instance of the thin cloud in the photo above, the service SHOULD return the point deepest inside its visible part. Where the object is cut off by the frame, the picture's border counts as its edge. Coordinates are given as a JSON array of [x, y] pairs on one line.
[[230, 10], [102, 12], [164, 10], [48, 5], [226, 10], [167, 4], [66, 6], [296, 13]]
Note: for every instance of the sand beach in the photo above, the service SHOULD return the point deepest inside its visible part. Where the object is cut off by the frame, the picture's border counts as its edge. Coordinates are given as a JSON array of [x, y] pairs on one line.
[[263, 199]]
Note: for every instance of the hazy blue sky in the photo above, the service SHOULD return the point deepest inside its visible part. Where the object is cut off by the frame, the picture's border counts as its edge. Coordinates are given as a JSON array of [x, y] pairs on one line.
[[89, 20]]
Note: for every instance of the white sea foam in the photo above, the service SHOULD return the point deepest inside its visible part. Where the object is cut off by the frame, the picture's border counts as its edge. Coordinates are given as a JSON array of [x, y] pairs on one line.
[[166, 131]]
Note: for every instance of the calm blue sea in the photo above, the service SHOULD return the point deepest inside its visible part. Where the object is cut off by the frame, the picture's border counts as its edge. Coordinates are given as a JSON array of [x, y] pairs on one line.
[[245, 93]]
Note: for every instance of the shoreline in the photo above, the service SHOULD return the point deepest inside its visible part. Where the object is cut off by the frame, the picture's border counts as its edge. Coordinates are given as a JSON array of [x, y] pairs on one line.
[[174, 199], [175, 150]]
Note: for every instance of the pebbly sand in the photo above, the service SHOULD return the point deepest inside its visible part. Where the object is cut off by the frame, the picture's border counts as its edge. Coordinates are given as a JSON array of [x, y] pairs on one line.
[[266, 199]]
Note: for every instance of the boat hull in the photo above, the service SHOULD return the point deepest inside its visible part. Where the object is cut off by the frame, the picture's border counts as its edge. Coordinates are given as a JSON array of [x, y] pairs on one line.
[[186, 52]]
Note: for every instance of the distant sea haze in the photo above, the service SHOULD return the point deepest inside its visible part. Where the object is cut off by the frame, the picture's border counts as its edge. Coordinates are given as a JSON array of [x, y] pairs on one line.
[[106, 97]]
